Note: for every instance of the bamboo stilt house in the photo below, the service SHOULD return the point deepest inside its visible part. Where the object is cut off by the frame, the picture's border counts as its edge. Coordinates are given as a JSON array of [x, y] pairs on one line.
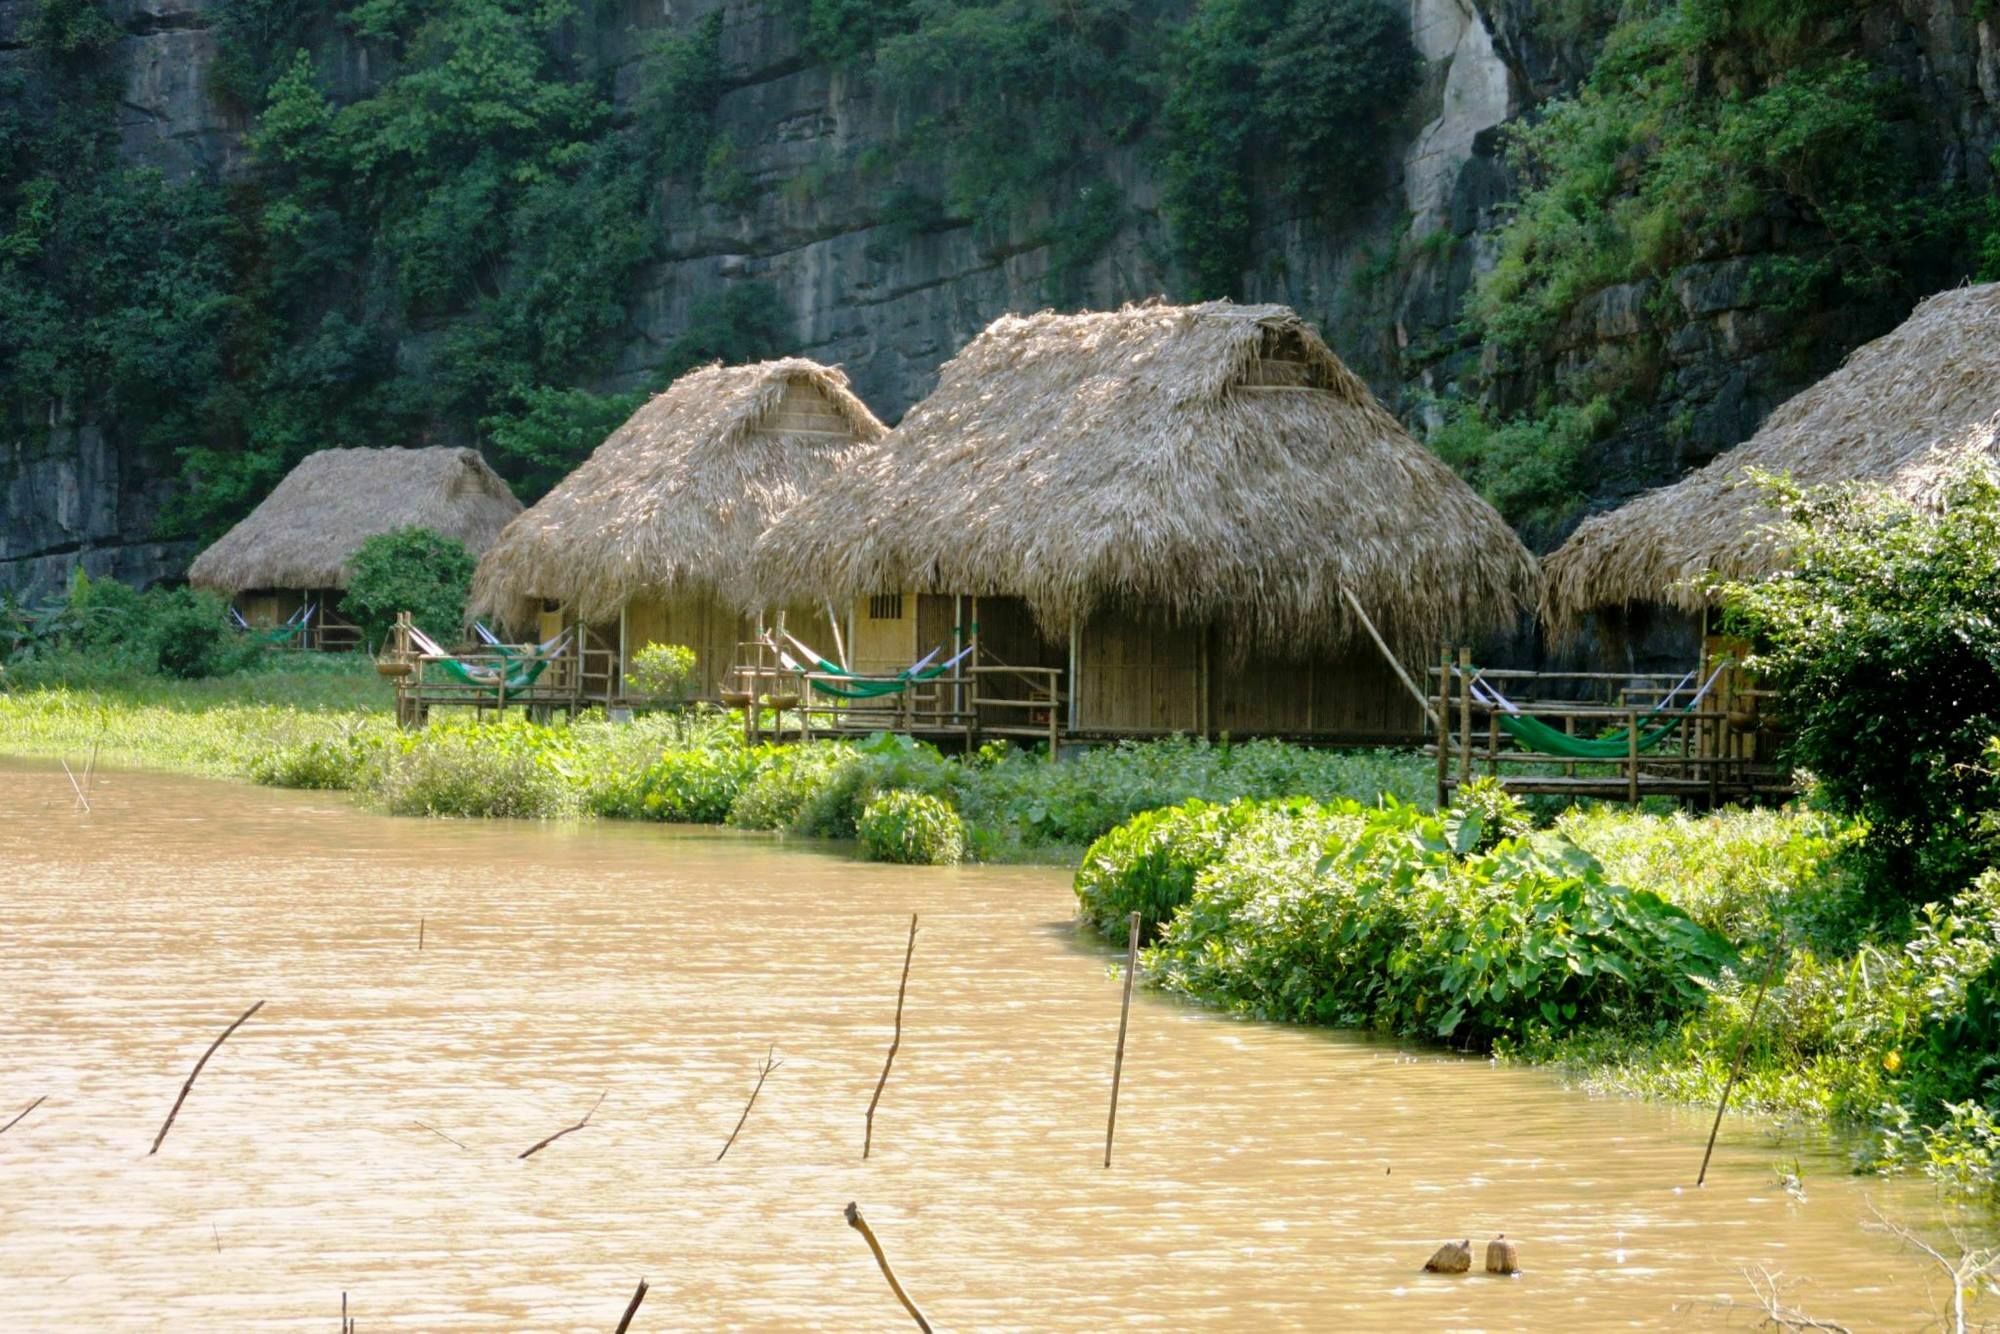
[[1175, 504], [1899, 416], [293, 550], [654, 530]]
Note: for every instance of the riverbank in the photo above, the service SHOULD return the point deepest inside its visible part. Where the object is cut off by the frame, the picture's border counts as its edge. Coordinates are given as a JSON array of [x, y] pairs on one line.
[[1626, 950]]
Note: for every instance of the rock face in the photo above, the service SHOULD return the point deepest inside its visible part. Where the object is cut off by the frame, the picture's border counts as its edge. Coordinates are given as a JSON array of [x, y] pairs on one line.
[[1386, 283]]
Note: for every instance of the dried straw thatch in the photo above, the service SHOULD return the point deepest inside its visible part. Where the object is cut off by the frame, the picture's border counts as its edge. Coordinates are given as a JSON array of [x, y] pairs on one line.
[[1899, 415], [670, 504], [1216, 463], [312, 523]]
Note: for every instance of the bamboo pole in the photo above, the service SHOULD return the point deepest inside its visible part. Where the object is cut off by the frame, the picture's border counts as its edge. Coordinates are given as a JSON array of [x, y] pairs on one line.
[[1124, 1017], [1736, 1068], [1464, 714], [763, 1074], [168, 1124], [1632, 757], [860, 1224], [75, 787], [1443, 713], [868, 1136], [1396, 663], [24, 1112], [632, 1308], [539, 1145]]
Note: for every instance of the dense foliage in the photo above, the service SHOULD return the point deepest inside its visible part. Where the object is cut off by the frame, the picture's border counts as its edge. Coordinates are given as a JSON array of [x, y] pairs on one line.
[[914, 828], [1882, 643], [1391, 918], [102, 627], [413, 570]]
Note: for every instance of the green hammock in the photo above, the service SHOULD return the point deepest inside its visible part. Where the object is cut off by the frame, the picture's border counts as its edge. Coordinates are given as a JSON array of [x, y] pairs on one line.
[[278, 636], [520, 673], [1538, 736], [857, 689]]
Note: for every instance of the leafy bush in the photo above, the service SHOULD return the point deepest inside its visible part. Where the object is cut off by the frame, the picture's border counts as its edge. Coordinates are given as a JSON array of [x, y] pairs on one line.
[[696, 785], [1397, 920], [348, 762], [1882, 646], [882, 763], [413, 570], [782, 789], [914, 828], [503, 769], [663, 673], [1148, 864], [192, 639]]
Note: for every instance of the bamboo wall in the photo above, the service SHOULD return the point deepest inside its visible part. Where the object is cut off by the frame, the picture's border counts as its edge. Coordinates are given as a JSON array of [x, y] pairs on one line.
[[1141, 676], [712, 630]]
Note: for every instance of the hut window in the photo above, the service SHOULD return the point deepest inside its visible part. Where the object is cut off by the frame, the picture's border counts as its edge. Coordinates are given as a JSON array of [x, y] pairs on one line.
[[885, 607]]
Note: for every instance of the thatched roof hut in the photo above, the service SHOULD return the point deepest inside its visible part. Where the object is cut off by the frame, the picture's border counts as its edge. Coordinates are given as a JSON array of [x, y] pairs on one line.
[[1899, 415], [1216, 464], [309, 527], [669, 505]]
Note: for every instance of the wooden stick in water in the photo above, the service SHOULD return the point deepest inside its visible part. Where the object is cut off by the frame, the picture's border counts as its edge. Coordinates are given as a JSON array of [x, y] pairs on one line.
[[632, 1308], [762, 1075], [77, 788], [420, 933], [91, 767], [1735, 1070], [539, 1145], [24, 1112], [860, 1224], [440, 1134], [1124, 1017], [168, 1124], [868, 1139]]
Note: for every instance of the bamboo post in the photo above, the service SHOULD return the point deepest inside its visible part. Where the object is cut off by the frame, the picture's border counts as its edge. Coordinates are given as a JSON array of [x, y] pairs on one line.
[[868, 1136], [1632, 756], [632, 1308], [1736, 1067], [1395, 663], [770, 1064], [1443, 714], [168, 1124], [1464, 714], [1052, 715], [1124, 1016], [860, 1224], [24, 1112], [539, 1145]]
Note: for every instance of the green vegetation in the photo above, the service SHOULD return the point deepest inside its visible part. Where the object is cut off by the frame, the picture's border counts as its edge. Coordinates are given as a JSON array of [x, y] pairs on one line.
[[102, 627], [914, 828], [413, 570], [1703, 130], [1883, 644]]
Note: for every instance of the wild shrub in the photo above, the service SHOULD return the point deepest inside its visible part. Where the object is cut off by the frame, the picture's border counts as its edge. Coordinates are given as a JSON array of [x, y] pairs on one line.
[[348, 762], [879, 764], [691, 785], [1880, 640], [503, 769], [914, 828], [775, 798], [1399, 920], [1148, 864], [413, 570]]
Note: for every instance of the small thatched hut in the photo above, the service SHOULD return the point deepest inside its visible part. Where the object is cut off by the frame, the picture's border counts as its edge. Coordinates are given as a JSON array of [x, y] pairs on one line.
[[1898, 415], [1173, 504], [294, 548], [654, 530]]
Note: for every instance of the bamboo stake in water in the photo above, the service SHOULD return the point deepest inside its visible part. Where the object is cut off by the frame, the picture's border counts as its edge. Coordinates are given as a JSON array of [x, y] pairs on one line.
[[1736, 1070], [1124, 1016], [762, 1075], [632, 1309], [868, 1138], [24, 1112], [566, 1130], [168, 1124], [860, 1224], [75, 787], [420, 934]]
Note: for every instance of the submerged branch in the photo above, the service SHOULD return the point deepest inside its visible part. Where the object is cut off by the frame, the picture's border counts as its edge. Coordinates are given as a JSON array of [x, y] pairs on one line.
[[168, 1124], [868, 1137], [566, 1130], [24, 1112], [763, 1074]]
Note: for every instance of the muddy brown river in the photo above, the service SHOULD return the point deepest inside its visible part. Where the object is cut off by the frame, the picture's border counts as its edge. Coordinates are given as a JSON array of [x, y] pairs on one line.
[[1265, 1177]]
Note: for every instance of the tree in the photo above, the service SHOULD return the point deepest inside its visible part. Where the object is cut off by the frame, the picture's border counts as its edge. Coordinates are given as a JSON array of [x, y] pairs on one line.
[[413, 570], [1883, 643]]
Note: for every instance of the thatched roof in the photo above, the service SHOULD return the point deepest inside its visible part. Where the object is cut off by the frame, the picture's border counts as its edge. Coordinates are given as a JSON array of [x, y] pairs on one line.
[[1897, 416], [671, 503], [312, 523], [1217, 463]]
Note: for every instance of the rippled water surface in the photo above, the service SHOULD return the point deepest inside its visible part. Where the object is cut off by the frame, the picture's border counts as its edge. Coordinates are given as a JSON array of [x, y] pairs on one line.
[[1265, 1177]]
